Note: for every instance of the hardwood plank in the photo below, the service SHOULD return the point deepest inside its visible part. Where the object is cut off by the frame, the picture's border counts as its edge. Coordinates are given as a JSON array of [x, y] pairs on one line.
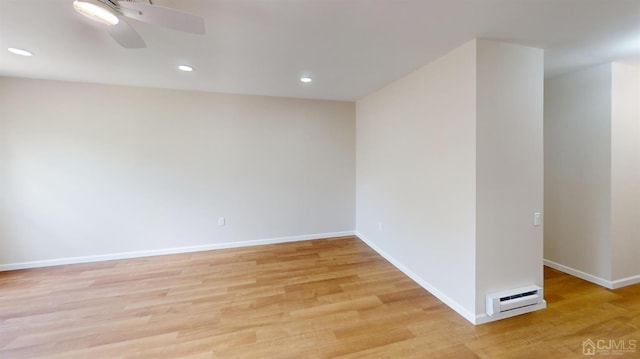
[[312, 299]]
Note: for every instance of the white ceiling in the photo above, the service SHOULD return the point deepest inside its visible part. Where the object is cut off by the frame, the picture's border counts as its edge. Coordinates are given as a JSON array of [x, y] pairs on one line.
[[350, 47]]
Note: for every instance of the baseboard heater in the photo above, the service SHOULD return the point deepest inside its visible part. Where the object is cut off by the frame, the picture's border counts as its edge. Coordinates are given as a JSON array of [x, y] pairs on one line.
[[514, 299]]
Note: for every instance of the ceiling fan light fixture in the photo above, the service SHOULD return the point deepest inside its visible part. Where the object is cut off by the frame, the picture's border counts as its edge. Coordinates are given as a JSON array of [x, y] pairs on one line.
[[96, 10], [20, 52]]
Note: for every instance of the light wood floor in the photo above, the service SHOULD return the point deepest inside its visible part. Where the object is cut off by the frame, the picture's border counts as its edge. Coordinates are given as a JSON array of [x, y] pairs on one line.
[[313, 299]]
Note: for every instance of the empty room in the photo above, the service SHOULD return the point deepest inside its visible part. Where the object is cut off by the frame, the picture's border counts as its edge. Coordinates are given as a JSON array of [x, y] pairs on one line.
[[319, 178]]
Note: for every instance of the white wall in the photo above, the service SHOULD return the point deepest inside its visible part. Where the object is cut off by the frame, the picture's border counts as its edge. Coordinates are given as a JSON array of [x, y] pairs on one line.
[[625, 171], [93, 170], [416, 175], [577, 145], [592, 174], [449, 173], [509, 168]]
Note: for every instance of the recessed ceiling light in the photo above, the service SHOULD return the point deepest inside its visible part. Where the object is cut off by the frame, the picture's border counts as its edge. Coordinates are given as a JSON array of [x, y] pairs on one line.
[[96, 10], [306, 79], [185, 68], [20, 52]]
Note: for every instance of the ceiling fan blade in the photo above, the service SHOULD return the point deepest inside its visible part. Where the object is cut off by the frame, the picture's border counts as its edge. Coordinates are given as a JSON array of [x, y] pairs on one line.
[[163, 16], [126, 36]]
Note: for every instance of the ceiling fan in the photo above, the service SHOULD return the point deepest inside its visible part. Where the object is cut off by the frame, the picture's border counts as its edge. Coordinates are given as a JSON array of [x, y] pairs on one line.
[[113, 13]]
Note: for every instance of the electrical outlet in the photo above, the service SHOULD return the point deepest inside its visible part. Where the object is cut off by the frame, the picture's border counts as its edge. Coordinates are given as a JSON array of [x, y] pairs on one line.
[[380, 226], [537, 219], [221, 221]]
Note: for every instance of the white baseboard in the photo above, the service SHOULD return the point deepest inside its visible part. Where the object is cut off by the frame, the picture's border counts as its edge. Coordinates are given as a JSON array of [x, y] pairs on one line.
[[580, 274], [175, 250], [618, 283], [471, 317]]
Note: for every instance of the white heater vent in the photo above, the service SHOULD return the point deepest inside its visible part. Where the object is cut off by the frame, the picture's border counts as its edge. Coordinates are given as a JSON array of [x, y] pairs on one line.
[[514, 299]]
